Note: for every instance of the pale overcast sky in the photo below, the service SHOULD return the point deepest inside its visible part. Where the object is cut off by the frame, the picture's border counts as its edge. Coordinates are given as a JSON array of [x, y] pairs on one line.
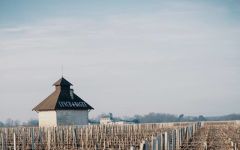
[[122, 56]]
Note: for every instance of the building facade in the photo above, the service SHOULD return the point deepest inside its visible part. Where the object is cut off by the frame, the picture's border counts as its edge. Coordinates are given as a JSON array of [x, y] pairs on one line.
[[62, 107], [106, 120]]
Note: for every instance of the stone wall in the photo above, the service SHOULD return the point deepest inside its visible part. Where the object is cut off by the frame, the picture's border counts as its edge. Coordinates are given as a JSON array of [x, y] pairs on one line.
[[72, 117], [47, 118]]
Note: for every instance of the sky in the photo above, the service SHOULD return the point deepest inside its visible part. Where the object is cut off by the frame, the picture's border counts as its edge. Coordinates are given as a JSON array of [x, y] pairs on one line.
[[126, 57]]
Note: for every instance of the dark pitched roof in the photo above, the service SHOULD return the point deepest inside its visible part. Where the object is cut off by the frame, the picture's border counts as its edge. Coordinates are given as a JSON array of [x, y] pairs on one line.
[[63, 99]]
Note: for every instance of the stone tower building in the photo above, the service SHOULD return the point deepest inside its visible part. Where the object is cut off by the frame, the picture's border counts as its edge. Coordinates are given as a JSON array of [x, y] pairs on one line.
[[63, 107]]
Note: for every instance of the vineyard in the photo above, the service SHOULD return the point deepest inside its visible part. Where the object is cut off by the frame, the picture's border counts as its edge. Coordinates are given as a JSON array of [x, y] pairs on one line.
[[157, 136]]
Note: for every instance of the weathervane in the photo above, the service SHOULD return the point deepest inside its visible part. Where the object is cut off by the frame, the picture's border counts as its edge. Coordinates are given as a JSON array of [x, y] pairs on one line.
[[62, 70]]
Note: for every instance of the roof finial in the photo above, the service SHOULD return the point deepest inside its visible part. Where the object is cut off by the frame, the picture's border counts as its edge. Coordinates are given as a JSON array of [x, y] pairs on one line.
[[62, 70]]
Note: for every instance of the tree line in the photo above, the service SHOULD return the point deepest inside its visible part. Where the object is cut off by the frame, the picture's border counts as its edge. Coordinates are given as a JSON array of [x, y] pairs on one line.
[[147, 118], [13, 123], [165, 117]]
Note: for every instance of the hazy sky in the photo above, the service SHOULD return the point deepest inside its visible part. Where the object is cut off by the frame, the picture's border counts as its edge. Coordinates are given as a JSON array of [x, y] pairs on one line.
[[122, 56]]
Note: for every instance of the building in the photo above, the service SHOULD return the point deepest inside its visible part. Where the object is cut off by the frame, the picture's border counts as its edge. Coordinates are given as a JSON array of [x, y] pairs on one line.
[[63, 107], [107, 119]]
